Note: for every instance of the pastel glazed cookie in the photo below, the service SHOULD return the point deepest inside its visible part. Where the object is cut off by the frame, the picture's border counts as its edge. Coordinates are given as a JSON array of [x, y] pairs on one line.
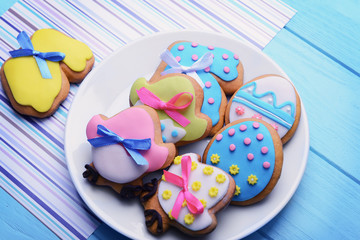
[[126, 147], [188, 196], [177, 99], [271, 98], [249, 150], [225, 74], [36, 79]]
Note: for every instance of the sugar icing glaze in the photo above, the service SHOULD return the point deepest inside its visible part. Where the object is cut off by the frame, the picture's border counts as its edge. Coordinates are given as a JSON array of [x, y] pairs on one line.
[[246, 162], [271, 98], [202, 181], [167, 88], [112, 161], [224, 66]]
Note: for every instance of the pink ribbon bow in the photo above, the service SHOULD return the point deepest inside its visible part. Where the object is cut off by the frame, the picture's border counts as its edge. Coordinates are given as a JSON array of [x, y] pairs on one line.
[[193, 204], [150, 99]]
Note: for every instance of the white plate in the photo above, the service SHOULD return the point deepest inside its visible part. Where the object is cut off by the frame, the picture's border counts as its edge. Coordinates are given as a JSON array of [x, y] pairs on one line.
[[106, 90]]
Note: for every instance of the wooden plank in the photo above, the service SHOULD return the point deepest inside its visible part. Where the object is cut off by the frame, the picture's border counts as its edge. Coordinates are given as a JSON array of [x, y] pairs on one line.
[[333, 27], [18, 223], [325, 206], [329, 94]]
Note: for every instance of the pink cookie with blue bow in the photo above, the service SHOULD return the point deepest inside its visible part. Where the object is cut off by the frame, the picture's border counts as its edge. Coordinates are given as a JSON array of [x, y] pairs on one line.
[[188, 196], [250, 150], [217, 70], [125, 148]]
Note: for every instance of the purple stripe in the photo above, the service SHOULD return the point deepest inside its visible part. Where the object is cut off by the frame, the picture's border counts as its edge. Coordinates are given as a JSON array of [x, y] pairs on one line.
[[226, 24], [8, 23], [23, 19], [135, 16], [164, 14], [275, 9], [41, 203], [34, 177], [259, 14]]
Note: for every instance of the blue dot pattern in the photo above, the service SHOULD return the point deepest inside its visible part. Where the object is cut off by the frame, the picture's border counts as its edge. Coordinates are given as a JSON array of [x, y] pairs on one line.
[[217, 68], [174, 133], [164, 138], [239, 157]]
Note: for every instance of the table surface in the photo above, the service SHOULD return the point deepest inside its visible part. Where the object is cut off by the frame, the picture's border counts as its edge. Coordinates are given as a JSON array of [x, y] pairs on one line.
[[319, 50]]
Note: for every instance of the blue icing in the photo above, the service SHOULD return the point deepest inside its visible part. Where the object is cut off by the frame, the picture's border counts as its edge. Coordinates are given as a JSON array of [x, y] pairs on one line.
[[239, 158], [162, 126], [217, 68], [174, 133], [164, 138]]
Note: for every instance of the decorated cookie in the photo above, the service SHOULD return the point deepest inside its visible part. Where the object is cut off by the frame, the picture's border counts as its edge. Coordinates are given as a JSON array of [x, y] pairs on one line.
[[211, 67], [188, 196], [36, 77], [177, 99], [125, 147], [270, 98], [249, 150]]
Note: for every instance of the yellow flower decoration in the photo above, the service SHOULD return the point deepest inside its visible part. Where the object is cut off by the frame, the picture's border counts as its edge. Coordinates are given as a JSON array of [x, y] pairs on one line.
[[193, 165], [170, 216], [189, 218], [237, 190], [163, 177], [184, 203], [252, 179], [166, 194], [208, 170], [203, 202], [177, 160], [234, 169], [196, 186], [215, 159], [220, 178], [213, 192]]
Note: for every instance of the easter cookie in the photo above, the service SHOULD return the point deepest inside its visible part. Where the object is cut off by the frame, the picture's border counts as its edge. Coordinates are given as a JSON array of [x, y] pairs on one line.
[[250, 150], [188, 196], [217, 70], [36, 78], [126, 147], [271, 98], [177, 99]]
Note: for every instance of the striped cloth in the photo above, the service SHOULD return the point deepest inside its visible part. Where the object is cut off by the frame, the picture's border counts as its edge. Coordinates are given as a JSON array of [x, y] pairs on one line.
[[32, 161]]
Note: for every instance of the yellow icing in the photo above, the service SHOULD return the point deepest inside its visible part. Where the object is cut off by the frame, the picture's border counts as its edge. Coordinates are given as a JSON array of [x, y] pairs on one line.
[[252, 179], [220, 178], [215, 159], [184, 203], [208, 170], [203, 202], [166, 194], [76, 52], [189, 218], [234, 169], [177, 160], [237, 190], [166, 89], [196, 186], [163, 177], [27, 85], [170, 216], [213, 191], [193, 165]]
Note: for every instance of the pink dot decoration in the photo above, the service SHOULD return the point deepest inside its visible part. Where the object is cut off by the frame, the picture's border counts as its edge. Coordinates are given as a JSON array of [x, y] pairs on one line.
[[194, 57], [211, 100], [256, 125], [178, 58], [250, 156], [207, 69], [266, 165], [242, 128], [219, 137], [225, 56], [231, 132], [275, 126], [247, 141], [239, 110], [181, 47], [208, 84], [236, 57], [194, 44], [264, 150], [232, 147], [212, 55], [259, 137], [226, 69], [211, 47]]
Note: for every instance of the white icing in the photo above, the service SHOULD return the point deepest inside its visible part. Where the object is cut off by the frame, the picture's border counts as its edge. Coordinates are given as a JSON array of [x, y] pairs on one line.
[[169, 128], [207, 181], [115, 164]]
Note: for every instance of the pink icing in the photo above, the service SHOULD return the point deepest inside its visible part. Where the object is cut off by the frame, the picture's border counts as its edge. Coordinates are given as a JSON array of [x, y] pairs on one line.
[[194, 57], [219, 137], [247, 141], [256, 125], [257, 116], [250, 156], [211, 100], [231, 132], [240, 110], [207, 69], [226, 69], [242, 128], [134, 123], [208, 84], [259, 137], [178, 58], [232, 147], [181, 47], [236, 57], [266, 165], [264, 150], [211, 47], [225, 56], [194, 44], [275, 126]]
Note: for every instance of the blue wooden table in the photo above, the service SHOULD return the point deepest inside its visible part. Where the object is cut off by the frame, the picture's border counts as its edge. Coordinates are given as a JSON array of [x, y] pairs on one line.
[[320, 51]]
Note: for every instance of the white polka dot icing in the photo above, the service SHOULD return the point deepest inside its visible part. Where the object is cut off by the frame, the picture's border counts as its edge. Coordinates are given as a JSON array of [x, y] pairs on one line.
[[170, 133], [251, 155], [208, 179]]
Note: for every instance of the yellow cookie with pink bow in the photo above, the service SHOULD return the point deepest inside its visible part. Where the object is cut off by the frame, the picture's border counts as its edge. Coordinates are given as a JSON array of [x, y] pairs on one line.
[[177, 99], [188, 196], [36, 77]]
